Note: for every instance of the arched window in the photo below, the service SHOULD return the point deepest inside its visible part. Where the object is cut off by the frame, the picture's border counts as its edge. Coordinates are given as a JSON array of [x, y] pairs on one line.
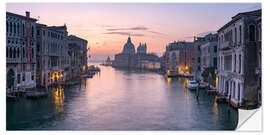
[[240, 34], [251, 32], [23, 52], [10, 52], [10, 27], [14, 27], [23, 30], [14, 53], [7, 25], [18, 52], [18, 28], [235, 35]]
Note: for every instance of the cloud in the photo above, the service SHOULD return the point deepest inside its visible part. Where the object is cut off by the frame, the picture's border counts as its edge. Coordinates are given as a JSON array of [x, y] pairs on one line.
[[125, 34], [158, 33], [131, 28], [138, 28]]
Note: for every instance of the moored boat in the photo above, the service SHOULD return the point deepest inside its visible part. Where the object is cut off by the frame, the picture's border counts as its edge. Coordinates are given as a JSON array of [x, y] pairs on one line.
[[192, 84]]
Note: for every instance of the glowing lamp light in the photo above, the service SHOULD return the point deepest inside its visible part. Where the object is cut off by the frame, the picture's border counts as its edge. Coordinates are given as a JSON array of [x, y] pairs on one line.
[[168, 72]]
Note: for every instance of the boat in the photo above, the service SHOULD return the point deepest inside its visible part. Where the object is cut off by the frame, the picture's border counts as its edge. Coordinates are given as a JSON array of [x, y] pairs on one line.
[[192, 84]]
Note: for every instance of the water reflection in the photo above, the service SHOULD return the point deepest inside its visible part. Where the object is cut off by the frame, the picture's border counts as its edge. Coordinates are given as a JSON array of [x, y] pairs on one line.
[[118, 99], [59, 97]]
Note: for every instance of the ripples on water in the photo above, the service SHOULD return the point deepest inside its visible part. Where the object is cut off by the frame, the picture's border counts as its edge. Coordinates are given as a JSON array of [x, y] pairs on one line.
[[122, 100]]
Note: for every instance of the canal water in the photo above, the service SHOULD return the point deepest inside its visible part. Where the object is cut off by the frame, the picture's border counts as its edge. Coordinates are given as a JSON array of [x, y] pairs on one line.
[[122, 100]]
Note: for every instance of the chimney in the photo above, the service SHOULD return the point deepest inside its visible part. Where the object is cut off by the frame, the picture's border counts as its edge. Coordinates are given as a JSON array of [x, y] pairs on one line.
[[27, 14]]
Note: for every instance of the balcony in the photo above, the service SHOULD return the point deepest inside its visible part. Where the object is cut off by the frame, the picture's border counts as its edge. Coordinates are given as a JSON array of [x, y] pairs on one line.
[[226, 45]]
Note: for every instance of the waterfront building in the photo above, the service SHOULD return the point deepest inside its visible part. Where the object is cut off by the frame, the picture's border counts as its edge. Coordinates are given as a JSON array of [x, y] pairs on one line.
[[126, 59], [130, 59], [237, 59], [142, 49], [208, 56], [20, 51], [197, 42], [259, 59], [52, 54], [39, 55], [208, 53], [180, 57], [129, 47], [78, 56], [108, 61]]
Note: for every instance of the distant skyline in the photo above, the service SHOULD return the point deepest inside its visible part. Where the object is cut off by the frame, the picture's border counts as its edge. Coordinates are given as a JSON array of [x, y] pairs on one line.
[[107, 26]]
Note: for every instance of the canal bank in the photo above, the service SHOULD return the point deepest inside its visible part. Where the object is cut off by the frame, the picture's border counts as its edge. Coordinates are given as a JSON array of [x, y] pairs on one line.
[[122, 100]]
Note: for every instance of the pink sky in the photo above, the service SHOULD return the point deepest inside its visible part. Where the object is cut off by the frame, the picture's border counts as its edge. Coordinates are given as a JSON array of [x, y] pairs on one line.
[[106, 26]]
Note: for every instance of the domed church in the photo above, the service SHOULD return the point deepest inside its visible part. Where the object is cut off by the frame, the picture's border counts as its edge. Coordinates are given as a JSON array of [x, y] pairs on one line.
[[129, 47], [128, 58]]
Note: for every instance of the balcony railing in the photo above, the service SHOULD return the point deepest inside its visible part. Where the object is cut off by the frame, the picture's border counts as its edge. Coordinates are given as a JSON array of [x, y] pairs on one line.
[[226, 45]]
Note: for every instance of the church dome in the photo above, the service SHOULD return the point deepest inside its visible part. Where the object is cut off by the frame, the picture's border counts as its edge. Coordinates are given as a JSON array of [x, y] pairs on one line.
[[129, 47]]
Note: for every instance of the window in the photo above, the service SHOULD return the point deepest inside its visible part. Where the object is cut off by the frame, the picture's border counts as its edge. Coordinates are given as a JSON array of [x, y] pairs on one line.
[[235, 35], [233, 91], [38, 47], [238, 91], [215, 49], [14, 53], [23, 52], [32, 31], [14, 28], [215, 62], [228, 62], [33, 67], [18, 28], [251, 32], [19, 78], [10, 53], [7, 52], [259, 33], [18, 52], [23, 69], [240, 64], [23, 28], [23, 77], [240, 34], [228, 36], [234, 66], [10, 26], [7, 25], [33, 53]]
